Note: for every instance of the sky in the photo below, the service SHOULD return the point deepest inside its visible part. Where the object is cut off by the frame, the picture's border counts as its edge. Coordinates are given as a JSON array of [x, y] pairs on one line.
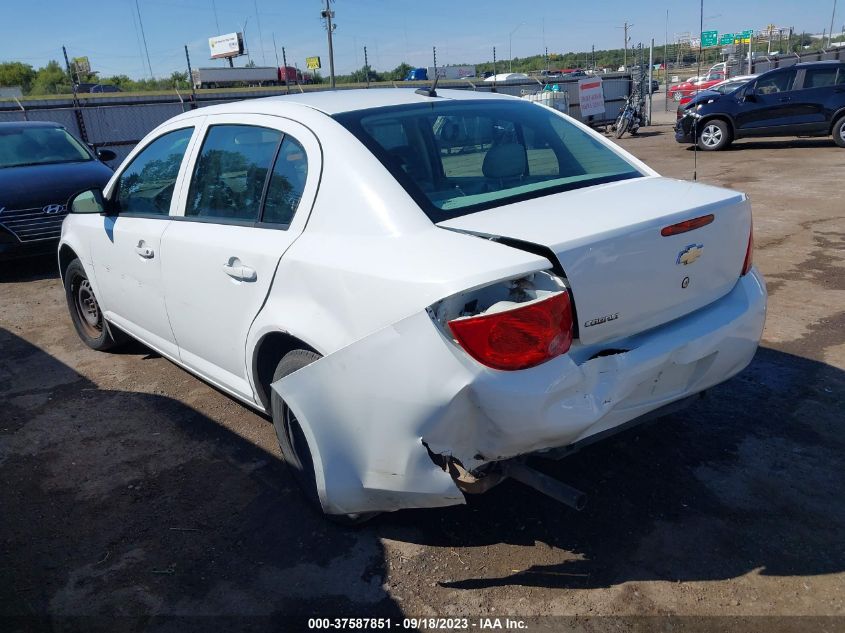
[[464, 31]]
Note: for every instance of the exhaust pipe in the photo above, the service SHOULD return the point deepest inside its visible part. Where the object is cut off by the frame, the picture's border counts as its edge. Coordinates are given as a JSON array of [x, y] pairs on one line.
[[547, 485]]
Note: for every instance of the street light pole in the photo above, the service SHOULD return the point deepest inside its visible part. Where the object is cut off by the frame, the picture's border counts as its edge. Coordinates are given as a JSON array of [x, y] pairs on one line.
[[832, 16], [510, 46]]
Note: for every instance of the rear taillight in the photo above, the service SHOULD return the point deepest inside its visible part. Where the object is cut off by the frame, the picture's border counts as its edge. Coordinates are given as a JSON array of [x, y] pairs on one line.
[[519, 338], [749, 253]]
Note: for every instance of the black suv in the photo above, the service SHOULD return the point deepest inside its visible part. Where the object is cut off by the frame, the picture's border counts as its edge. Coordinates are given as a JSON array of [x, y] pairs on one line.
[[801, 100]]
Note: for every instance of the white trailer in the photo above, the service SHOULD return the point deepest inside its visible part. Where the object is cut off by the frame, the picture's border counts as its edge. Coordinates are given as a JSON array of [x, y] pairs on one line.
[[452, 72], [223, 77]]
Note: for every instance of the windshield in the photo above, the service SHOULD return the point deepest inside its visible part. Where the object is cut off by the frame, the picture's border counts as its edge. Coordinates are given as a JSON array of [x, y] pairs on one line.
[[459, 157], [39, 146], [729, 86]]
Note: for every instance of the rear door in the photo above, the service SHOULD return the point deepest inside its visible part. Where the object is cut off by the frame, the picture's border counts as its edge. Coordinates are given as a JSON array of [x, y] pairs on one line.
[[253, 179], [817, 89], [126, 246], [768, 108]]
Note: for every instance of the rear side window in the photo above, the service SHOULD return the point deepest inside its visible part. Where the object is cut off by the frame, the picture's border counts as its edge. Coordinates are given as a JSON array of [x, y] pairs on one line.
[[146, 185], [820, 77], [230, 173], [458, 157], [287, 182]]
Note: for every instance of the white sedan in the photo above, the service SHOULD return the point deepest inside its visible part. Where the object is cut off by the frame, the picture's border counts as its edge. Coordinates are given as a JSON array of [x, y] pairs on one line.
[[421, 290]]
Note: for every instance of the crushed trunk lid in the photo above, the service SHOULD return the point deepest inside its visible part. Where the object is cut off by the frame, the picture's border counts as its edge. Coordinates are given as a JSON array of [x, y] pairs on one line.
[[625, 276]]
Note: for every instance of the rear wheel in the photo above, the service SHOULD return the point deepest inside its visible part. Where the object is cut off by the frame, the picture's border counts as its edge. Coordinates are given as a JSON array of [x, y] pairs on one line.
[[839, 132], [85, 311], [714, 135], [295, 451]]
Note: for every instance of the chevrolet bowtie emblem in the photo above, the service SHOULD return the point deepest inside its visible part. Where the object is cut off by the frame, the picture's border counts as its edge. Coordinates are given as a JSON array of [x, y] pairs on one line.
[[690, 254]]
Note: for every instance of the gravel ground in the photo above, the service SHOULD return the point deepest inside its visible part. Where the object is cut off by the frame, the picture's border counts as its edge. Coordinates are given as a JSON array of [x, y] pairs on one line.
[[132, 490]]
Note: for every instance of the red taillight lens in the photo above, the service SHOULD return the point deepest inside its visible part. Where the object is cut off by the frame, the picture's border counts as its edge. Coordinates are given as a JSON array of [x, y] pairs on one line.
[[687, 225], [518, 338], [749, 253]]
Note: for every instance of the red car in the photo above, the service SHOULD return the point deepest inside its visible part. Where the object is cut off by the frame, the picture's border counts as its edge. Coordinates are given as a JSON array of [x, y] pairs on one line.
[[694, 85]]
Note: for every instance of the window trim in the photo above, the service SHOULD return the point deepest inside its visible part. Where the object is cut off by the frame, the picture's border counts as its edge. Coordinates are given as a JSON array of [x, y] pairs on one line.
[[114, 186]]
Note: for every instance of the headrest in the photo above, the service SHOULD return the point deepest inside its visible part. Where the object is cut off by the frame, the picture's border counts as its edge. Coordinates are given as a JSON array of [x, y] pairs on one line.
[[504, 161]]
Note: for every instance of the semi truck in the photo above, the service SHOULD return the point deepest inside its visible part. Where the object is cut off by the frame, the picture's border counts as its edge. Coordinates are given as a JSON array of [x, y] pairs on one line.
[[224, 77]]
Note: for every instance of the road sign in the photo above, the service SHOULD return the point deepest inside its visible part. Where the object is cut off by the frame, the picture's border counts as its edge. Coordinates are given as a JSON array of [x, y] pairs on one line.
[[726, 39], [709, 38], [313, 63], [744, 37], [82, 66]]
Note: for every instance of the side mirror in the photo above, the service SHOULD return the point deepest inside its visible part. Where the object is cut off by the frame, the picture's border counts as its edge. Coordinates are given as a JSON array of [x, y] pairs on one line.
[[106, 155], [90, 201]]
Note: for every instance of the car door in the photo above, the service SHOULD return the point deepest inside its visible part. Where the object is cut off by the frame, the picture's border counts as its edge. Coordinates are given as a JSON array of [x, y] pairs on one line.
[[817, 87], [766, 106], [253, 179], [126, 248]]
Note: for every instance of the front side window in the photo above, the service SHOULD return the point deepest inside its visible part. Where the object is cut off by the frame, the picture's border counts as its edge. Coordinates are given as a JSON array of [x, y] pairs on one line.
[[455, 158], [146, 185], [776, 82], [230, 173], [24, 146]]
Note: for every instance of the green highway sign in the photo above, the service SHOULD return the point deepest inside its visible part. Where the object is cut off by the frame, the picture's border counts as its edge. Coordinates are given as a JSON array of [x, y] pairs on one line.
[[709, 38], [727, 38]]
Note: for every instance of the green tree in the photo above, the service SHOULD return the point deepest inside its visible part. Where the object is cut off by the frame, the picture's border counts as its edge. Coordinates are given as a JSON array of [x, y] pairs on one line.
[[400, 72], [50, 79], [17, 74]]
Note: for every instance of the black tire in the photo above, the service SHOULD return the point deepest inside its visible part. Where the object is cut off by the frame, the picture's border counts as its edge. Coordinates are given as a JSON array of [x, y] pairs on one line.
[[713, 135], [295, 451], [839, 131], [622, 126], [85, 311]]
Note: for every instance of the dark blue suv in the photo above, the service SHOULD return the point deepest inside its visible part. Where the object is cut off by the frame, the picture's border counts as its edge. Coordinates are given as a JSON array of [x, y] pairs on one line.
[[801, 100]]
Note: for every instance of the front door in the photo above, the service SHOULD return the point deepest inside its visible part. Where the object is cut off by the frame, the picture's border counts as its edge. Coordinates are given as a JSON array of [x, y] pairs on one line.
[[126, 249], [767, 105], [251, 183]]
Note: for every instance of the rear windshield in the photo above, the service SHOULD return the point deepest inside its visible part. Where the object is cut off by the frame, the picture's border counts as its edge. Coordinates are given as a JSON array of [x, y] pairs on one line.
[[20, 147], [455, 158]]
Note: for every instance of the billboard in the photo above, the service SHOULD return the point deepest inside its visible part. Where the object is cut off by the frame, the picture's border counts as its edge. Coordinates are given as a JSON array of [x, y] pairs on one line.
[[81, 66], [312, 63], [229, 45]]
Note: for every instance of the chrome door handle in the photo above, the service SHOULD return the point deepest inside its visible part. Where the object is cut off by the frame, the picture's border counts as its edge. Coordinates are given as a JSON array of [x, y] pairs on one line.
[[239, 271], [144, 251]]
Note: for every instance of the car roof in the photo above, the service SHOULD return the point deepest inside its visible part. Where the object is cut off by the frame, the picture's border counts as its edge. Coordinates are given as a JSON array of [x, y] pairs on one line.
[[22, 124], [333, 102]]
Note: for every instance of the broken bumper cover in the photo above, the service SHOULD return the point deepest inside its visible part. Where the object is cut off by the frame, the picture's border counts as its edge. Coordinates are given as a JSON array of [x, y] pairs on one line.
[[370, 409]]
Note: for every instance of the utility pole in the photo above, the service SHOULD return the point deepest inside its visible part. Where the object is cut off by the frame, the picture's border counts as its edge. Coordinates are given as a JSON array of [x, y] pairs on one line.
[[191, 78], [832, 16], [328, 14], [287, 76], [625, 27], [366, 67]]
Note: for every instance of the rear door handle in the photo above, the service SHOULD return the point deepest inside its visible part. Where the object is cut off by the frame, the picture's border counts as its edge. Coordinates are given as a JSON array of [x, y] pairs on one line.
[[238, 271], [144, 251]]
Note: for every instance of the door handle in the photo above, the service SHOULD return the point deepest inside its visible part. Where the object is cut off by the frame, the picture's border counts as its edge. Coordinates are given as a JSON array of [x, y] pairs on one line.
[[238, 271], [144, 251]]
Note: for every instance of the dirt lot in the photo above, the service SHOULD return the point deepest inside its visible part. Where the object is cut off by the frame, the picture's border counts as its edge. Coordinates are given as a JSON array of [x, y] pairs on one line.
[[129, 488]]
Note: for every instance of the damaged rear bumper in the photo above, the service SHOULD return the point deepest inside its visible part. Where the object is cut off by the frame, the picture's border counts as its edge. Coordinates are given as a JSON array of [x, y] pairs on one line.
[[370, 409]]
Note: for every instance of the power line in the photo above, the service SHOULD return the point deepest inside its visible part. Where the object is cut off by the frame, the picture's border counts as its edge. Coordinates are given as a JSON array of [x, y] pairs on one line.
[[144, 37]]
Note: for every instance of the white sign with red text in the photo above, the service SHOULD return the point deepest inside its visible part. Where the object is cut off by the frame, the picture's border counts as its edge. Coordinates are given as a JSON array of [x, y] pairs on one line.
[[591, 96]]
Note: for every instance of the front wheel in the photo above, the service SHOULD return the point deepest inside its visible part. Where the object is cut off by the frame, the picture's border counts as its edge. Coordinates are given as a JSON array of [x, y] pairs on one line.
[[839, 132], [622, 125], [85, 311], [714, 135], [295, 451]]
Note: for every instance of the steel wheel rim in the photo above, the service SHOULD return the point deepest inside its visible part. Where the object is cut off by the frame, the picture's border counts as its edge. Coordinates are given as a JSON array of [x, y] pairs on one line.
[[87, 308], [842, 132], [711, 135]]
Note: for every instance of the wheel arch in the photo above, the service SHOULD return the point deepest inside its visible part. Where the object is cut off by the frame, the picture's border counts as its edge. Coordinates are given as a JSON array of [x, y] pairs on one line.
[[721, 117], [835, 119], [66, 256], [266, 355]]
